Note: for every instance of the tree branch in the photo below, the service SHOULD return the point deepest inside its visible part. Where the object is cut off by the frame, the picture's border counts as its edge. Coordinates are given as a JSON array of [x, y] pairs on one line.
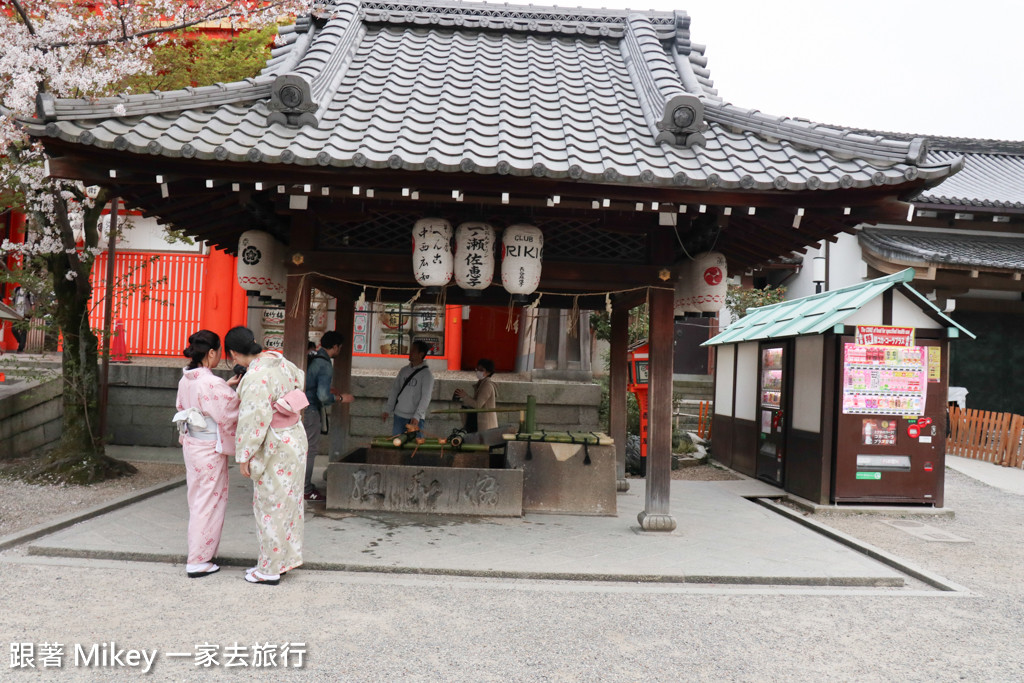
[[125, 37], [24, 17]]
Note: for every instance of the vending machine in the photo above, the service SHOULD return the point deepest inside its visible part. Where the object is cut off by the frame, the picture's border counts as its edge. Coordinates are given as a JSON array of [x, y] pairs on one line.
[[773, 392], [891, 422]]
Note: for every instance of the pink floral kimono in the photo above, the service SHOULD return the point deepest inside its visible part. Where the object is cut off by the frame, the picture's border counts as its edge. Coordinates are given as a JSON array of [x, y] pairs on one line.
[[273, 441], [207, 415]]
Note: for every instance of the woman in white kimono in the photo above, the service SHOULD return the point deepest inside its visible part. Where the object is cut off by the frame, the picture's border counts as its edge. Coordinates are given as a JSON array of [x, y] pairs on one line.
[[207, 413], [270, 448]]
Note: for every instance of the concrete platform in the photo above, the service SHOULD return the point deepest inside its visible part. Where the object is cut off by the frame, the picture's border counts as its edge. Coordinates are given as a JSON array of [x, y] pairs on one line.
[[722, 538]]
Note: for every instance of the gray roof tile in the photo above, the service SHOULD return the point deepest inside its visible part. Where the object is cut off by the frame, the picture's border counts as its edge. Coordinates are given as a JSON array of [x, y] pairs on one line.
[[932, 248], [413, 84]]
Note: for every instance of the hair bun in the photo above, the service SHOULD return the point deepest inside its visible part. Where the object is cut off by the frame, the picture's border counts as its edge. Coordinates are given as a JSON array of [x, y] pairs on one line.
[[188, 350]]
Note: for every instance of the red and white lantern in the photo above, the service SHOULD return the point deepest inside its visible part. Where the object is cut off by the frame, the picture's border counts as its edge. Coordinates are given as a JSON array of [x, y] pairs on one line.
[[256, 254], [279, 274], [522, 253], [432, 261], [702, 284], [474, 257]]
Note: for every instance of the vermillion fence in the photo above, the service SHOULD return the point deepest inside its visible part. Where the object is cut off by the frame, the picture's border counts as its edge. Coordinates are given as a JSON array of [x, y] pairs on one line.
[[983, 435], [158, 300]]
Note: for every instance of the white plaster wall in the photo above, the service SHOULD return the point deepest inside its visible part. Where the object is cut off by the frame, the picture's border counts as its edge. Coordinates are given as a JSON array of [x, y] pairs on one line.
[[845, 267], [146, 234], [906, 312], [723, 379], [807, 378], [746, 381]]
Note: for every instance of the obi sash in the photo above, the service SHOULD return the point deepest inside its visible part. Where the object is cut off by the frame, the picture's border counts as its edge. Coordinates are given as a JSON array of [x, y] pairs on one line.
[[288, 409], [193, 423]]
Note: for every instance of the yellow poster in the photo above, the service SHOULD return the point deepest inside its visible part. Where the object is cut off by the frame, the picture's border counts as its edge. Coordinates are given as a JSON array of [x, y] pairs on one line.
[[934, 363]]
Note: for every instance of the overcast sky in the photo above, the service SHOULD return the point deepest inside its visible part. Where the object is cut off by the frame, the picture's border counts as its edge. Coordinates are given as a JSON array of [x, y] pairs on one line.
[[934, 67]]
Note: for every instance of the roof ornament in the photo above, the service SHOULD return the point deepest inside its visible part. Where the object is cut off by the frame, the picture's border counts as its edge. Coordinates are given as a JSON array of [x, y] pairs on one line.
[[291, 102]]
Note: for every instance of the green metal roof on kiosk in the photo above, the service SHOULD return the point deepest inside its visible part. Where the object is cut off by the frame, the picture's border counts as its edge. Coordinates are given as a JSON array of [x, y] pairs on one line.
[[820, 313]]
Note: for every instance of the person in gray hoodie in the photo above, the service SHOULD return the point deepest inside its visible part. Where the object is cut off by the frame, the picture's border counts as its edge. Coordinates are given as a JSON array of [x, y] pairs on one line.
[[410, 394]]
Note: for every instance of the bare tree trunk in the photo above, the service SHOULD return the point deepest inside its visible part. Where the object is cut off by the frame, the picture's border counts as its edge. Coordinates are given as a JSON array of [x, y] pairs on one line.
[[79, 456]]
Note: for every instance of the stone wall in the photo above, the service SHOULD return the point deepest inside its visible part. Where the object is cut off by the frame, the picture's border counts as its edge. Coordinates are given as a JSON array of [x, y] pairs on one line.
[[31, 415], [142, 405]]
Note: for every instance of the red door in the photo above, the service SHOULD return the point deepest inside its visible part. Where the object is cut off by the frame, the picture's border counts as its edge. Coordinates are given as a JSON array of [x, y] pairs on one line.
[[484, 336]]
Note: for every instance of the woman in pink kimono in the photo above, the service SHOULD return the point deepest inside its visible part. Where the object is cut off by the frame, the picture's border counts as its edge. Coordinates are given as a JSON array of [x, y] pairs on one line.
[[207, 412], [270, 448]]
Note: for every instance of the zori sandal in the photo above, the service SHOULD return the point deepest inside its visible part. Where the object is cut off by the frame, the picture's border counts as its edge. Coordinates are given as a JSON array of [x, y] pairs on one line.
[[197, 571], [253, 576]]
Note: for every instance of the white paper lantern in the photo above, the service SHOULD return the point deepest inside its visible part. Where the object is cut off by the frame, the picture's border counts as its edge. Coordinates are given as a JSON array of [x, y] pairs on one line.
[[255, 258], [474, 257], [432, 252], [522, 250], [702, 284]]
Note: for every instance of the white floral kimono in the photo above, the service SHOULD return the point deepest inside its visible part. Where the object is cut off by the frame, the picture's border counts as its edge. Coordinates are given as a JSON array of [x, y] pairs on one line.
[[277, 460]]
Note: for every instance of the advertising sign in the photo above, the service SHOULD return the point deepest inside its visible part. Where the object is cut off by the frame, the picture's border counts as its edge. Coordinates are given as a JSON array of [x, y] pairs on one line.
[[884, 335]]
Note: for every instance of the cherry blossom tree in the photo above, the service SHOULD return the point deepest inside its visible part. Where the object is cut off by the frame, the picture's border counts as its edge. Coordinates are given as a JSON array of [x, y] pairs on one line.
[[82, 49]]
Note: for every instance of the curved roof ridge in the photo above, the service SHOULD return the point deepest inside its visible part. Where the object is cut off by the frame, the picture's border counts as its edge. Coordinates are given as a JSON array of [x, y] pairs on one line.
[[690, 61], [673, 115], [843, 143], [50, 108], [506, 17]]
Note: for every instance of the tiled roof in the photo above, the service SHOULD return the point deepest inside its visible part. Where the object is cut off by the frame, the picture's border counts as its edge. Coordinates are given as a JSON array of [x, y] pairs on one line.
[[987, 180], [992, 177], [591, 95], [943, 248], [820, 313]]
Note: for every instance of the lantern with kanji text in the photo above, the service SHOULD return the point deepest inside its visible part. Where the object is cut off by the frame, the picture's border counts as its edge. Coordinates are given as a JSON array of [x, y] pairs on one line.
[[474, 257]]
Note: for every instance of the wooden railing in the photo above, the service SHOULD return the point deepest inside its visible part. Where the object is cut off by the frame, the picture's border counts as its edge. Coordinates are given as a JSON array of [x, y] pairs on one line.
[[983, 435]]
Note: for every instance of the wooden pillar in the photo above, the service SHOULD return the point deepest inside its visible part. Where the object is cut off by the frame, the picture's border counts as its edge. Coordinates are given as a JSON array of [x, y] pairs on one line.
[[296, 317], [341, 425], [656, 515], [617, 381], [297, 292]]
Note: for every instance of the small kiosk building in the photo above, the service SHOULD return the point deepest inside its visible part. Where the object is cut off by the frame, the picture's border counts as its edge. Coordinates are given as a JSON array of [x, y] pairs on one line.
[[838, 397]]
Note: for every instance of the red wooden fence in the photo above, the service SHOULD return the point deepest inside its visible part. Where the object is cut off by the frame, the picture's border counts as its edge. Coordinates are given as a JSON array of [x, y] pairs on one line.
[[159, 298]]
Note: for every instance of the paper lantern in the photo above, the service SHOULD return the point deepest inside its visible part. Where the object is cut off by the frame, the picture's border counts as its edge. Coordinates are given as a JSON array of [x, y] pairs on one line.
[[474, 257], [702, 284], [522, 250], [432, 252], [255, 257]]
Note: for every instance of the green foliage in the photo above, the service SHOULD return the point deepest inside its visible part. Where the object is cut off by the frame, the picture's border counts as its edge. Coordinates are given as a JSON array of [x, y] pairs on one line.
[[639, 324], [197, 60], [738, 300]]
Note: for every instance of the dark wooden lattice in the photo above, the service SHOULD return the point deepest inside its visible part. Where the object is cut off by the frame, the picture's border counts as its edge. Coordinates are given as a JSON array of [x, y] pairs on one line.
[[564, 240]]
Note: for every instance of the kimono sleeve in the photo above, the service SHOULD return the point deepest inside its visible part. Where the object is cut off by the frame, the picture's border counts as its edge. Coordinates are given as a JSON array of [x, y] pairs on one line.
[[254, 413], [224, 411]]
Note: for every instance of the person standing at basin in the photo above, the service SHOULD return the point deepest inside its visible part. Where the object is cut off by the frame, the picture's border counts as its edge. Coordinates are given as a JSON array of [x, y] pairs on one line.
[[207, 415], [409, 397], [319, 373], [271, 450], [484, 396]]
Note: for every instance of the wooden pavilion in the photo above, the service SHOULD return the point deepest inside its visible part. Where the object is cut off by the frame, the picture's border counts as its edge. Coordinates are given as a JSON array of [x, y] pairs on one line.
[[600, 127]]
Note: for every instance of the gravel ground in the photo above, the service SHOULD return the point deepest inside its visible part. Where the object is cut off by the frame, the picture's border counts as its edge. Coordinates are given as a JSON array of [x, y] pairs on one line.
[[371, 627], [26, 505]]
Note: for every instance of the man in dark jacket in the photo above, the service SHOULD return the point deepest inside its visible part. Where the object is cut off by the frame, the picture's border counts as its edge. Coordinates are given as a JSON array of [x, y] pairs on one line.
[[319, 373]]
